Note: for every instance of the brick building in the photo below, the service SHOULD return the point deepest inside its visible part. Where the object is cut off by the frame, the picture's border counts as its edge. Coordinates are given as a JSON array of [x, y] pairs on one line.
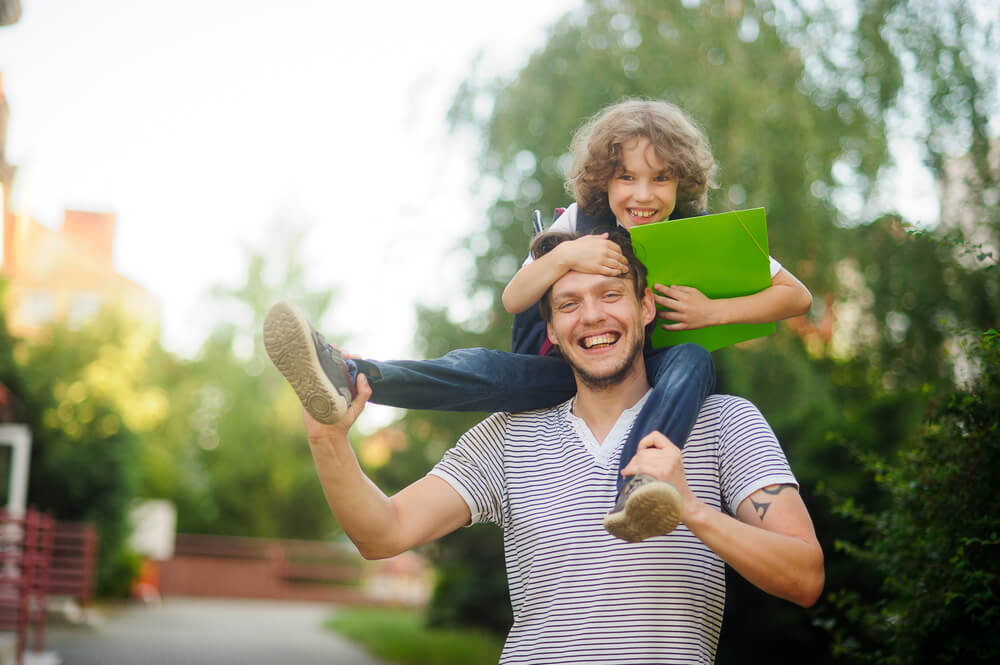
[[63, 275]]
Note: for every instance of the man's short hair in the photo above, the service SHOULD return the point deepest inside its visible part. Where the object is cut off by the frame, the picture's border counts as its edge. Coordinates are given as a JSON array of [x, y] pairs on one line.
[[546, 242]]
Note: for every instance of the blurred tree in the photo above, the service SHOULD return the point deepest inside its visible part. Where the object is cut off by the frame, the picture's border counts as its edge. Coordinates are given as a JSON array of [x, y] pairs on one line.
[[115, 417], [799, 103], [928, 69], [934, 545], [85, 403], [232, 456], [10, 375], [727, 64]]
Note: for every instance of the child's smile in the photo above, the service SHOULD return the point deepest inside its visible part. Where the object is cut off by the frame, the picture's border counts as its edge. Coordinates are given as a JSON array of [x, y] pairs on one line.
[[643, 191]]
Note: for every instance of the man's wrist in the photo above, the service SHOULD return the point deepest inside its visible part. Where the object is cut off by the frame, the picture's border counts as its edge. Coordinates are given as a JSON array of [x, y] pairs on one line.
[[335, 449], [695, 511]]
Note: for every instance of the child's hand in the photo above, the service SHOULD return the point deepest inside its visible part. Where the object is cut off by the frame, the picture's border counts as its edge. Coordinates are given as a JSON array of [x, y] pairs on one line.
[[595, 254], [691, 308]]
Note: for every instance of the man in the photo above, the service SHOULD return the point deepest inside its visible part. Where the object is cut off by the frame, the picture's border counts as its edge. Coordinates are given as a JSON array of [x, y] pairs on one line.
[[578, 594]]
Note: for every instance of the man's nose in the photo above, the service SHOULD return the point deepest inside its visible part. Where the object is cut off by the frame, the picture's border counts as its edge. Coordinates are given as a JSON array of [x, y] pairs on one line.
[[591, 310]]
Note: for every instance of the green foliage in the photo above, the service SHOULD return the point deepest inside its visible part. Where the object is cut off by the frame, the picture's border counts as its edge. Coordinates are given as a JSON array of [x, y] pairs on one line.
[[232, 456], [83, 450], [8, 367], [471, 588], [936, 546], [471, 591], [777, 147], [798, 102], [115, 418], [400, 636]]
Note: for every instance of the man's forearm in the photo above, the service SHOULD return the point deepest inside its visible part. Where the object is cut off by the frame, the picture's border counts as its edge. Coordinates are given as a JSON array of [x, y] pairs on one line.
[[786, 563], [363, 511]]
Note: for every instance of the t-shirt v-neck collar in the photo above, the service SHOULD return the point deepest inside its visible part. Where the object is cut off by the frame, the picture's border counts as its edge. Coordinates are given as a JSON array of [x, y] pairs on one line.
[[603, 452]]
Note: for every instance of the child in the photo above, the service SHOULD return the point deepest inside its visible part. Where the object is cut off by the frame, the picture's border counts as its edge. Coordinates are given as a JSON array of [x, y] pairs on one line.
[[634, 163]]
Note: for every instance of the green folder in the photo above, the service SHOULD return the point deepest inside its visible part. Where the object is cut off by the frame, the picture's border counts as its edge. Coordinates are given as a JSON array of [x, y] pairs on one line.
[[723, 256]]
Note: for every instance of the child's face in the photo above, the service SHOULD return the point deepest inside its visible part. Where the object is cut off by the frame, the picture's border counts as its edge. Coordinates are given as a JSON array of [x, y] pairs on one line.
[[642, 191]]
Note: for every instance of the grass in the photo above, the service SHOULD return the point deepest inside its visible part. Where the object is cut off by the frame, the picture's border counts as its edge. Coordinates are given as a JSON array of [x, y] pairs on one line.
[[400, 636]]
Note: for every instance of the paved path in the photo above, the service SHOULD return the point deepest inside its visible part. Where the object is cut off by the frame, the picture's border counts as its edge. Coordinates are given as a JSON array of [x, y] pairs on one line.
[[185, 631]]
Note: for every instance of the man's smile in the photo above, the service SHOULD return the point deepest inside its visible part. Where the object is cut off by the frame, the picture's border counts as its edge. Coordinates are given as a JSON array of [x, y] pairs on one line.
[[601, 340]]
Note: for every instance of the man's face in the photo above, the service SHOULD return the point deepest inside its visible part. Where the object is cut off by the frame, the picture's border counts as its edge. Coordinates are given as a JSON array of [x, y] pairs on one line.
[[643, 191], [599, 326]]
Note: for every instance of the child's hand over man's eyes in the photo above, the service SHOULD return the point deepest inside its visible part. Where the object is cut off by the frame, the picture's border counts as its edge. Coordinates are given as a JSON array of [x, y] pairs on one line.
[[595, 254]]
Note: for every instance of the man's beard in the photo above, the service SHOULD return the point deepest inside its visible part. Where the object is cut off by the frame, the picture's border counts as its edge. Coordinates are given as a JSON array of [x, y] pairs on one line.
[[603, 382]]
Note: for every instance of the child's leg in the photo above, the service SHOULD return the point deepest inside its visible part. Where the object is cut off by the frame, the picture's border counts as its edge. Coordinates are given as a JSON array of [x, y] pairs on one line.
[[682, 377], [463, 380], [469, 380]]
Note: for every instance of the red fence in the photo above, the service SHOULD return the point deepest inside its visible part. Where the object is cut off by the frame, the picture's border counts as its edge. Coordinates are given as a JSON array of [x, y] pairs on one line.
[[74, 557], [224, 566], [25, 557]]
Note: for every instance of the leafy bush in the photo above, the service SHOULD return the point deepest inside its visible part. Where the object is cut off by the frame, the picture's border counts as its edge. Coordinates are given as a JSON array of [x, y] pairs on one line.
[[935, 546]]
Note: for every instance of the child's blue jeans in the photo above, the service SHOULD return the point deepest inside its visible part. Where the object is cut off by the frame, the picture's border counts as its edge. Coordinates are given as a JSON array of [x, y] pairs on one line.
[[488, 380]]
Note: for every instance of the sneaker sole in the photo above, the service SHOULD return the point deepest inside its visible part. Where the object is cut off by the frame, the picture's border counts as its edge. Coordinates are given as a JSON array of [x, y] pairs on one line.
[[652, 510], [288, 342]]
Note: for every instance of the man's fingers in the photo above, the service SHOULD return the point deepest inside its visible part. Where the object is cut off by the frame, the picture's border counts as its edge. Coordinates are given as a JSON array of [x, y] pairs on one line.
[[359, 401], [654, 440], [646, 462], [363, 387]]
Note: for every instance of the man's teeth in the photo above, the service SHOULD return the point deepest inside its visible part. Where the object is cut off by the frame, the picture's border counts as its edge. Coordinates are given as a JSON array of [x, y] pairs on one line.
[[596, 340]]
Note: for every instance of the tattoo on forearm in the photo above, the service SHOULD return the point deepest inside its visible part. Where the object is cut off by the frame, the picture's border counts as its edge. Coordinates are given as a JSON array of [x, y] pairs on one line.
[[761, 507]]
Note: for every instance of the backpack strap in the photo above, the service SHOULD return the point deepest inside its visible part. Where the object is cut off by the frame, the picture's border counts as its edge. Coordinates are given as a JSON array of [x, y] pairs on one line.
[[587, 224]]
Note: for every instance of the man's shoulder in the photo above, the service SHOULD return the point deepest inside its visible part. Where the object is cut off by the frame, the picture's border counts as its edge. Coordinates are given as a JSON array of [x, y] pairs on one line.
[[535, 416], [728, 405], [725, 412]]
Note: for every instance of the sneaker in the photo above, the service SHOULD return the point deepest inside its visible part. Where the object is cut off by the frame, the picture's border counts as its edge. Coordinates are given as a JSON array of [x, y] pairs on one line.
[[315, 369], [645, 507]]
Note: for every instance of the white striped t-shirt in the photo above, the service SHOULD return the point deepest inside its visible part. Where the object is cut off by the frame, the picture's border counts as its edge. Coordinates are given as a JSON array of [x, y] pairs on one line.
[[579, 595]]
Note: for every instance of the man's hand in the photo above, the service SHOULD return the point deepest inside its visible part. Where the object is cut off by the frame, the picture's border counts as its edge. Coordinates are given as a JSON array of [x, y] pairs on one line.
[[690, 308], [594, 254], [319, 433], [657, 456]]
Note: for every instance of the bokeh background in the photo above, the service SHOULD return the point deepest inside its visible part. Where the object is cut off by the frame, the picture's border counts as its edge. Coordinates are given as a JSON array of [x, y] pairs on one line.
[[379, 165]]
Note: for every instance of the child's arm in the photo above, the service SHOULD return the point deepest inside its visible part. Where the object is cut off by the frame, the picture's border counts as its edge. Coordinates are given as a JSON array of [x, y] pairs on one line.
[[785, 298], [593, 253]]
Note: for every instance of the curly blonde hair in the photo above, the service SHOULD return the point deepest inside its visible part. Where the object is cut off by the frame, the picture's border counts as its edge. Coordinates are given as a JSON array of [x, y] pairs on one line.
[[678, 142]]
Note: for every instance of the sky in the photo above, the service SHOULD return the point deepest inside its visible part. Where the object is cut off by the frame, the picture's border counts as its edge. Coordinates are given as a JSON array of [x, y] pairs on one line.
[[202, 123], [212, 127]]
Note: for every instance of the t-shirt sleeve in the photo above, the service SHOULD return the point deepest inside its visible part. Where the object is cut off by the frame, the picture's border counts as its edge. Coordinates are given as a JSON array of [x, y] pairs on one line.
[[474, 468], [774, 265], [749, 454], [565, 222]]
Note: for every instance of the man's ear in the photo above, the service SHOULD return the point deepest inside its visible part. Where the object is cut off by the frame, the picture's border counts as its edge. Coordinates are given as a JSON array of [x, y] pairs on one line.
[[648, 307], [551, 335]]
